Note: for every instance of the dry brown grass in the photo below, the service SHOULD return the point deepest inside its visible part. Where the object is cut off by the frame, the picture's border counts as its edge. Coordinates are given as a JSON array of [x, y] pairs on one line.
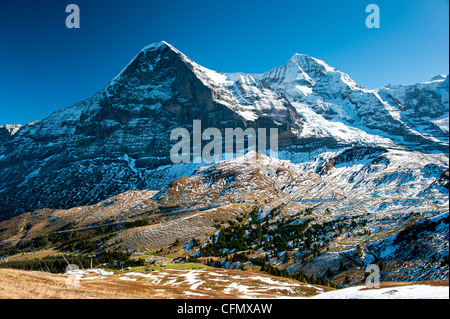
[[127, 206], [208, 283], [184, 228]]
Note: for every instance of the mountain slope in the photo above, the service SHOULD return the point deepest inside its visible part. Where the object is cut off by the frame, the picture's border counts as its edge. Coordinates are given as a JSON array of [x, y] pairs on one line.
[[119, 139], [353, 207]]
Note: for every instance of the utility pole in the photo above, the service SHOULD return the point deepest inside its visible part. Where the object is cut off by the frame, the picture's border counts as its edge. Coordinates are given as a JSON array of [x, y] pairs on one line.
[[91, 256], [67, 262]]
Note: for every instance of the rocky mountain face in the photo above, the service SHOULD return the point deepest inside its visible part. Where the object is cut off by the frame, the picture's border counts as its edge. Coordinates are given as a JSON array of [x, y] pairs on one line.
[[119, 139], [362, 175], [361, 206]]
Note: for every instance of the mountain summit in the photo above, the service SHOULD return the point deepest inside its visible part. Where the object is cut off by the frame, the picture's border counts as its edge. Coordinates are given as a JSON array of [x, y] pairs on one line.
[[119, 139]]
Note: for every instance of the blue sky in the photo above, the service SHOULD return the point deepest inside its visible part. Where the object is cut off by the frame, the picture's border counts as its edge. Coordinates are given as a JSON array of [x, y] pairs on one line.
[[45, 67]]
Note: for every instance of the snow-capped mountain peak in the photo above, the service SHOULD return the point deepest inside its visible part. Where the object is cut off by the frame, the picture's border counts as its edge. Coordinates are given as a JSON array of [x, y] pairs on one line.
[[303, 69], [315, 107], [11, 128], [439, 77]]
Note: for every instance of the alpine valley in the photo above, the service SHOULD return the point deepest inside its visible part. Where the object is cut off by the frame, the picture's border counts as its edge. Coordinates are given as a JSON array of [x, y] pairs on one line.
[[362, 175]]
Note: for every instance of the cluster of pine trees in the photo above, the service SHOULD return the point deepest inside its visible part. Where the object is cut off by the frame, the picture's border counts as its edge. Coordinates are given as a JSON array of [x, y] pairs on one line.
[[283, 236], [70, 241], [266, 267], [233, 241], [137, 223], [53, 264], [57, 264]]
